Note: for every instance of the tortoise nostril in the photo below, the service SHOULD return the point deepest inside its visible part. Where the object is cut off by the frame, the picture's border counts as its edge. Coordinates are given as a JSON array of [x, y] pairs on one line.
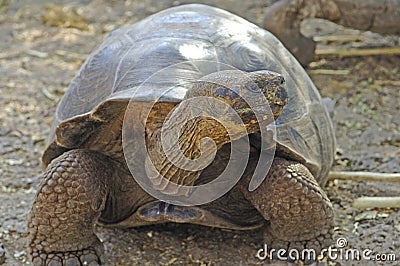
[[281, 80]]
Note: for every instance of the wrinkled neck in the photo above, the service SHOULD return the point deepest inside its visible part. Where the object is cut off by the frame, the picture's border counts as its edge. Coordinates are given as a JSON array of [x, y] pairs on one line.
[[179, 149]]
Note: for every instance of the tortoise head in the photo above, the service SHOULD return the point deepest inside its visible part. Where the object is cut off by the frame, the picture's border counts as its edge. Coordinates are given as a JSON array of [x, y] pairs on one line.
[[256, 96]]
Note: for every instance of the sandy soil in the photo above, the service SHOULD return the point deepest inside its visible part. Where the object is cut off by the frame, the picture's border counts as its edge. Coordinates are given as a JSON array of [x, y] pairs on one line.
[[42, 46]]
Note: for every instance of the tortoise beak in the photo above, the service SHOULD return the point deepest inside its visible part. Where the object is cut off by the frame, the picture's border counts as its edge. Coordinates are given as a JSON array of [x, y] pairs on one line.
[[276, 91], [281, 96], [276, 110], [279, 101]]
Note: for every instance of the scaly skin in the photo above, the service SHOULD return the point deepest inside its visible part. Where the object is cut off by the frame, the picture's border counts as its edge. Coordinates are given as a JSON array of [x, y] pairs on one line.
[[299, 212], [74, 189], [69, 201], [73, 192]]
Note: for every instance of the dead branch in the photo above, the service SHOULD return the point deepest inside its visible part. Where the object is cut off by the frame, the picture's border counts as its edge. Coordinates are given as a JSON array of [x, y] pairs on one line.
[[376, 202], [365, 176], [338, 38], [329, 71], [357, 52]]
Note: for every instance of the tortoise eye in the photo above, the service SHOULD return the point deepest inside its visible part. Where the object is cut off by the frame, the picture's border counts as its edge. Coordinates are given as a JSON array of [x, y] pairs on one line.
[[222, 92], [277, 81], [253, 87]]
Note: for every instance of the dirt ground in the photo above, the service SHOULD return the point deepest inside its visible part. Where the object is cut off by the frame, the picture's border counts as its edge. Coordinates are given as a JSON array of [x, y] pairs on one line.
[[42, 46]]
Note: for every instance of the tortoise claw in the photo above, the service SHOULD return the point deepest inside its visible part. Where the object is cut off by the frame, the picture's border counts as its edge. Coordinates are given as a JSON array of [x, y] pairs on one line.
[[92, 256], [306, 251]]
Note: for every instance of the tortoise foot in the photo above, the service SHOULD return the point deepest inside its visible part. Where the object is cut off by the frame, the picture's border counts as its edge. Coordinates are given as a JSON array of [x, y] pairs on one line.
[[70, 200], [90, 256], [305, 251], [293, 203], [298, 211]]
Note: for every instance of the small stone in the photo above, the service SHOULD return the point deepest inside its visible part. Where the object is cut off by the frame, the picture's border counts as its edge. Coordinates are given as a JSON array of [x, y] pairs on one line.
[[366, 215]]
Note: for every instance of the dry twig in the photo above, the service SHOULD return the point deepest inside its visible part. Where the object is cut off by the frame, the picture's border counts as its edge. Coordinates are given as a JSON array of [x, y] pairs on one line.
[[376, 202], [365, 176], [357, 52]]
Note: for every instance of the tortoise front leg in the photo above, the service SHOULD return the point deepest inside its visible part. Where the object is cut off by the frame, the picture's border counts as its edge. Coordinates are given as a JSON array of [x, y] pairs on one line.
[[68, 203], [299, 213]]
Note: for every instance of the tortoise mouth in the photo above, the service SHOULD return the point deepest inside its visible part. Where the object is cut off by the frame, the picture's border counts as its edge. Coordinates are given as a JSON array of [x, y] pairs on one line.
[[260, 113], [281, 97], [271, 105], [277, 109]]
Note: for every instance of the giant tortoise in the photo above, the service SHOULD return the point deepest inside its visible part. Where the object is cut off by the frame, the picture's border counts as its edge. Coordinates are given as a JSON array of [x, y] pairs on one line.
[[137, 80]]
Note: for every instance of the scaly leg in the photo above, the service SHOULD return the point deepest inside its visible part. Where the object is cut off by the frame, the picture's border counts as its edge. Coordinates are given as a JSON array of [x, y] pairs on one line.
[[299, 213], [69, 201]]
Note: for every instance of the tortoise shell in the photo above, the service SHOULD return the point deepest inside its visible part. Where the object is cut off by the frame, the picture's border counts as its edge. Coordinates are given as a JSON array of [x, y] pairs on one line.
[[111, 77]]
